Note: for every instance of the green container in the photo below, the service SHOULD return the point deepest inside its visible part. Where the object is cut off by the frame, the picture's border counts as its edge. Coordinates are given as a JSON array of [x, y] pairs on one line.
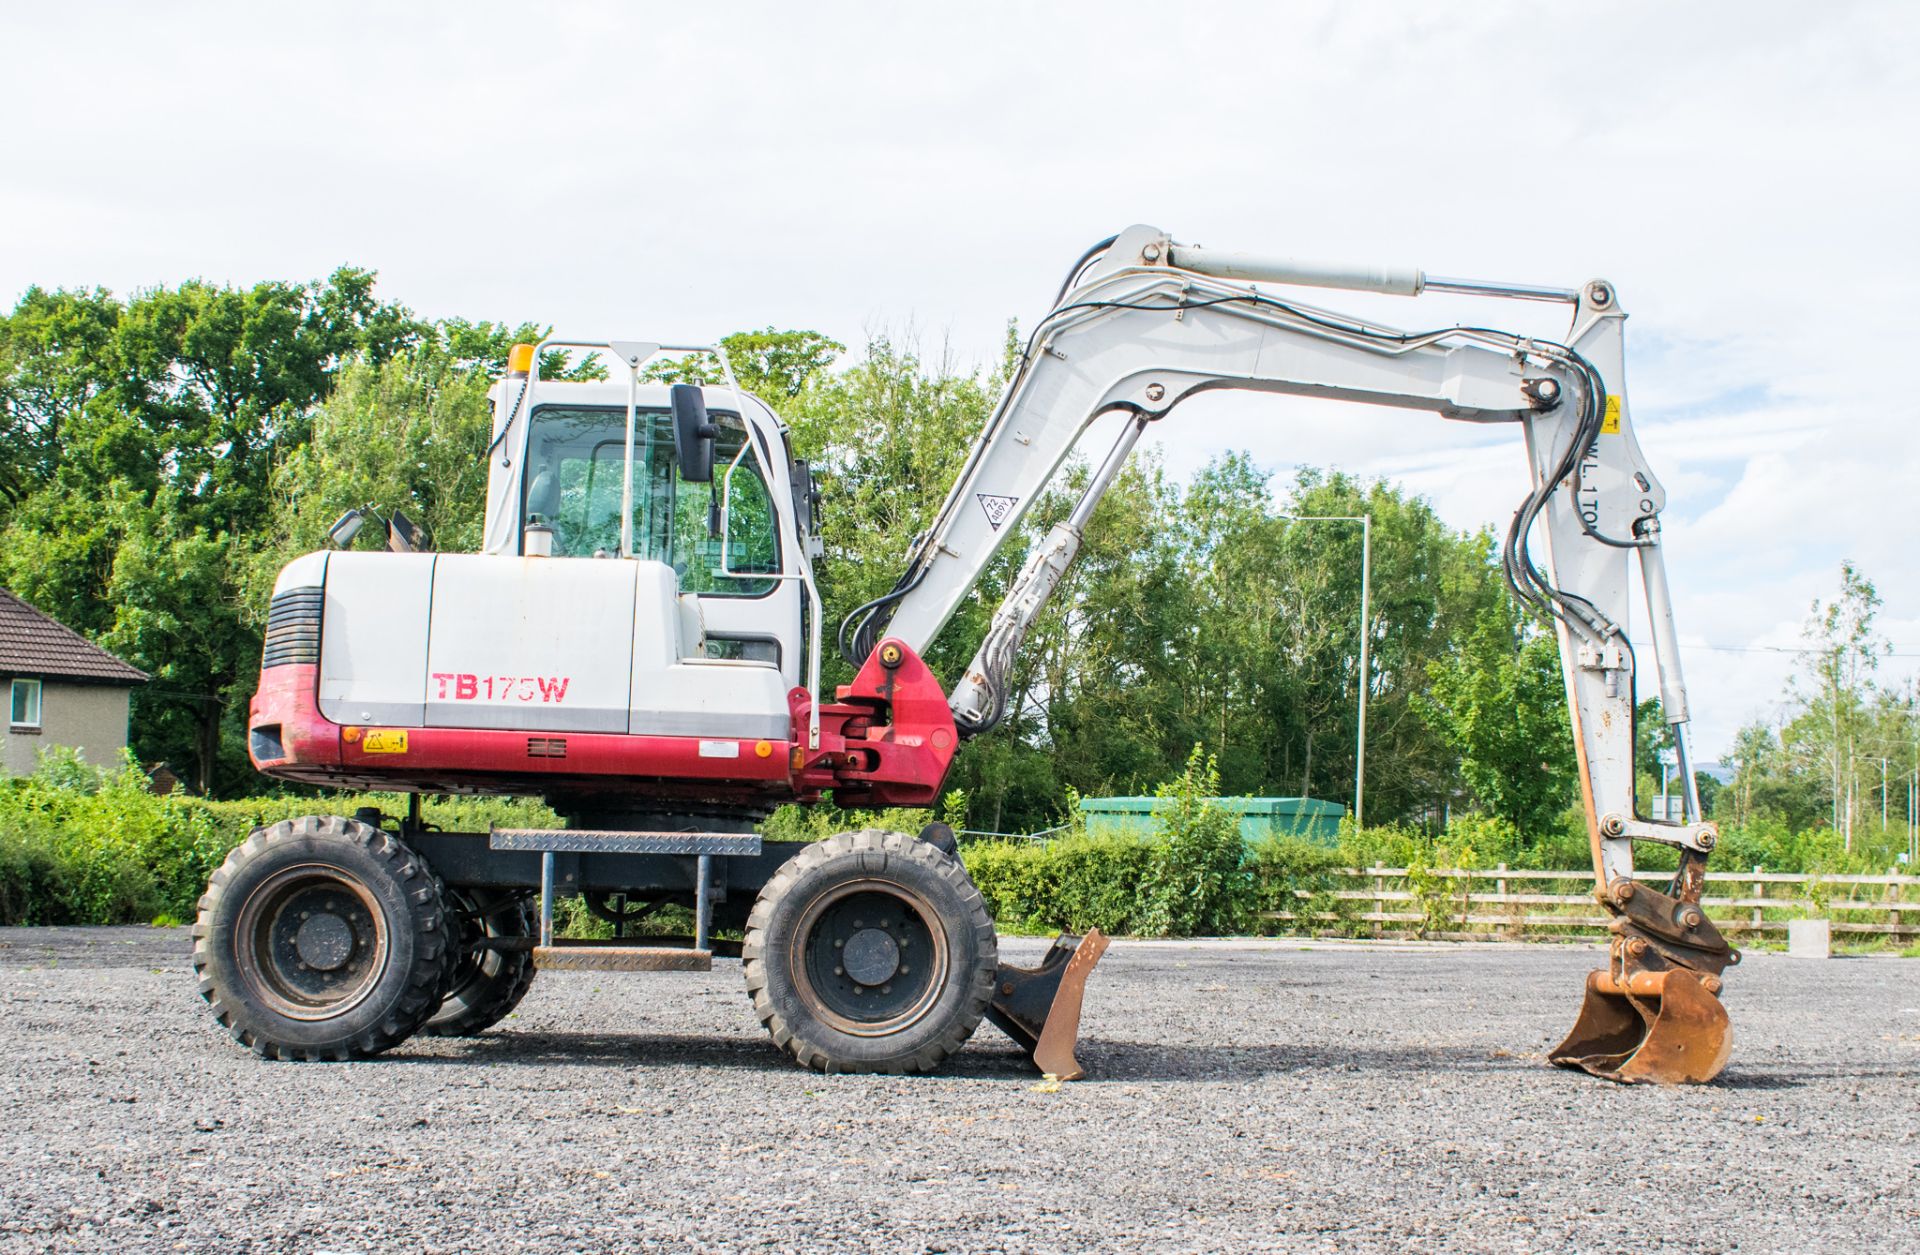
[[1260, 817]]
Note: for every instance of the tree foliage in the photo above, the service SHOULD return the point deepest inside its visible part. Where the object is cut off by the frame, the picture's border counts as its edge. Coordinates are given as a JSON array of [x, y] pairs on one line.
[[1498, 702]]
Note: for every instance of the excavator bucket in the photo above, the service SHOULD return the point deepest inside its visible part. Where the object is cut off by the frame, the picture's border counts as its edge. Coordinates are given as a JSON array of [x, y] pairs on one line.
[[1665, 1027], [1039, 1007]]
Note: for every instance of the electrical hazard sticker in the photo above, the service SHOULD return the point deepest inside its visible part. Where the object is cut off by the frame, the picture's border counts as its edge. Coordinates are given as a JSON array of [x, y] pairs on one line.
[[384, 741], [1610, 417], [997, 508]]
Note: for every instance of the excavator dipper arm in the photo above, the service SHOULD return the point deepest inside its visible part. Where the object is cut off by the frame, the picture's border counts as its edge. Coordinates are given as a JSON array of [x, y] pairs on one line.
[[1145, 322]]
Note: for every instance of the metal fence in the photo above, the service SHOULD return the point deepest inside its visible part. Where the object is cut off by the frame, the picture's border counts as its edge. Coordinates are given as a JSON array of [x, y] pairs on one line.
[[1462, 903]]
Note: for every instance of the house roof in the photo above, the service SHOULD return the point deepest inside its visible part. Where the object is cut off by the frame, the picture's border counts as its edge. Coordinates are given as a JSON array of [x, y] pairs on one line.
[[33, 644]]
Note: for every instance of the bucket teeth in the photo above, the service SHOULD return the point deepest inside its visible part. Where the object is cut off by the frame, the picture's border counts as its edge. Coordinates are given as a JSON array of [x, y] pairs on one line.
[[1039, 1007], [1665, 1027]]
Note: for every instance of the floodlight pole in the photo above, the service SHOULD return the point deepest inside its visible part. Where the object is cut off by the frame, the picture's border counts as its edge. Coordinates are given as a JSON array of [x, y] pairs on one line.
[[1366, 641]]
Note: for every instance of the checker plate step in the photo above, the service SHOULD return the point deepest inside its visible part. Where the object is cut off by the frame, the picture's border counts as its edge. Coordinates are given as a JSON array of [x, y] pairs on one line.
[[621, 959]]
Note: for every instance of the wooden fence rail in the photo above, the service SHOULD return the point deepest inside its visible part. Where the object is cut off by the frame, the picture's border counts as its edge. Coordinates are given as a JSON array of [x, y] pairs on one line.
[[1446, 903]]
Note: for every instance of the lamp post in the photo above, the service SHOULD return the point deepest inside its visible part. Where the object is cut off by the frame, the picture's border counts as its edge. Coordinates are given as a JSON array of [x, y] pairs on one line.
[[1366, 671]]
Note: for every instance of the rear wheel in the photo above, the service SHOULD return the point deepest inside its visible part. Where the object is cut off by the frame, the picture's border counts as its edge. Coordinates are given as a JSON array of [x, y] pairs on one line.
[[870, 952], [322, 938], [485, 984]]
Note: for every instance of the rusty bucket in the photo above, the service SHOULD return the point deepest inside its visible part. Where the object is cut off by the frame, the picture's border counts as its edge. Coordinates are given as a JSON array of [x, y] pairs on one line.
[[1039, 1007], [1666, 1027]]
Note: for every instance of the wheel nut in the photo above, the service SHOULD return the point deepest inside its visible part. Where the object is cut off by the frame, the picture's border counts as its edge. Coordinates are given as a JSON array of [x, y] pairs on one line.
[[839, 971], [837, 943], [886, 989], [905, 970]]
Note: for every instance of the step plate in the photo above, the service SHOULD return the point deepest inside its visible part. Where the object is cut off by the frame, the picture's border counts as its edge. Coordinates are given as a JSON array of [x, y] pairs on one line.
[[594, 841], [621, 959]]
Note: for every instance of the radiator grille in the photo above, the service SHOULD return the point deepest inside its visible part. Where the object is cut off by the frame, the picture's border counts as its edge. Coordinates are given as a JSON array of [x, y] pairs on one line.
[[293, 627]]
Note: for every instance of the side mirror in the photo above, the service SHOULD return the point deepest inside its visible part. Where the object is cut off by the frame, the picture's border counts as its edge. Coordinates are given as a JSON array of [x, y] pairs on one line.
[[806, 506], [693, 435], [346, 527]]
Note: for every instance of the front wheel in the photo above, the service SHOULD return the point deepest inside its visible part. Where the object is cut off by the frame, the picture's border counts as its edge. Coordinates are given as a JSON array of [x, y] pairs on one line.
[[870, 952], [322, 938]]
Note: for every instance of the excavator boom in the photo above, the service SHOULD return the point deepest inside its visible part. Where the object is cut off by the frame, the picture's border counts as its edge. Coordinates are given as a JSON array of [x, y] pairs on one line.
[[1145, 322]]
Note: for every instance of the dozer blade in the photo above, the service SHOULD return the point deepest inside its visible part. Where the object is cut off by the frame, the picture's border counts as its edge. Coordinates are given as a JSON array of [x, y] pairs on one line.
[[1039, 1007], [1665, 1027]]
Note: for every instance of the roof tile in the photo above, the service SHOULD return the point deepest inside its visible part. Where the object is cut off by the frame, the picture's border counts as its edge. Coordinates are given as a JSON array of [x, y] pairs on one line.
[[33, 644]]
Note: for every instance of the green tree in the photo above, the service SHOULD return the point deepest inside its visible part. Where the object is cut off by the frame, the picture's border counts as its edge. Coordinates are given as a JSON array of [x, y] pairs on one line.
[[150, 429], [1835, 691], [774, 365], [1500, 702]]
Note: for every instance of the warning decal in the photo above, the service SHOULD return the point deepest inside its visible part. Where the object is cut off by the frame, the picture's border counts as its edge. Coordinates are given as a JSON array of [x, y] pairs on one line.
[[1610, 417], [997, 508], [384, 741]]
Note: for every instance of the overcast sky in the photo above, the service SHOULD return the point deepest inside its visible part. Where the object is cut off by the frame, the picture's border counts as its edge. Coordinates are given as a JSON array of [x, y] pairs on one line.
[[1746, 174]]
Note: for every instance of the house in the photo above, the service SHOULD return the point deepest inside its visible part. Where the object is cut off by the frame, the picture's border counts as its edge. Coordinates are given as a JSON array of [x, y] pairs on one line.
[[61, 689]]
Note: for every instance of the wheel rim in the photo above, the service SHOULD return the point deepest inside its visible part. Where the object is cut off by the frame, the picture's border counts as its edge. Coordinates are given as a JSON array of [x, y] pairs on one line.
[[311, 941], [871, 958]]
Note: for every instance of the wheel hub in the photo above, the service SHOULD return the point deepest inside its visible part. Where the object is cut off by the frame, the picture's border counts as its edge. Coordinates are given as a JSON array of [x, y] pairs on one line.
[[872, 956], [324, 941]]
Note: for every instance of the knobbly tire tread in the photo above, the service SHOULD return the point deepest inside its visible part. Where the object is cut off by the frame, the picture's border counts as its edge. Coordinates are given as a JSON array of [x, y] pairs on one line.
[[869, 851], [419, 995], [500, 993]]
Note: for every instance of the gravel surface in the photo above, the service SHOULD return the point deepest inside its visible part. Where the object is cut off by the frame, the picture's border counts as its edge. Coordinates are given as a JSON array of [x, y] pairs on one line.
[[1246, 1096]]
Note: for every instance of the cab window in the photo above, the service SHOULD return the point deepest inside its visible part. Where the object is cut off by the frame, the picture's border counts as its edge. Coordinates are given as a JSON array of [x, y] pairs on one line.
[[572, 484]]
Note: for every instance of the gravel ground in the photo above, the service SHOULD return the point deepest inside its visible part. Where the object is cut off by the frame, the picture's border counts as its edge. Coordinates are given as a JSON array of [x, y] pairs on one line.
[[1246, 1096]]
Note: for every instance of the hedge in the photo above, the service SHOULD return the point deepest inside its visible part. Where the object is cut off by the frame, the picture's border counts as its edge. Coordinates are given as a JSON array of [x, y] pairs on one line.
[[81, 846]]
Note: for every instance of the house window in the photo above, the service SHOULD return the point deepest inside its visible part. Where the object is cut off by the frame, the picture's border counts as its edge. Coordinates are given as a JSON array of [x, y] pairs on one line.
[[23, 710]]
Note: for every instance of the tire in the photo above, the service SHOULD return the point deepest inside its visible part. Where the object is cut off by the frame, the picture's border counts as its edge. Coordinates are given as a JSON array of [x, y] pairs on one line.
[[483, 986], [290, 985], [830, 949]]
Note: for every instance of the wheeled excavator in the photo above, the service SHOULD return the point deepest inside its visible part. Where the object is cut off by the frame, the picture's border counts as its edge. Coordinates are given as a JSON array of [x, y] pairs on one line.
[[639, 643]]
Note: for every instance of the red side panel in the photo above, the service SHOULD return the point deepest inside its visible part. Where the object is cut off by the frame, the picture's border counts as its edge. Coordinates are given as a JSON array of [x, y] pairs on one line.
[[887, 741], [317, 751]]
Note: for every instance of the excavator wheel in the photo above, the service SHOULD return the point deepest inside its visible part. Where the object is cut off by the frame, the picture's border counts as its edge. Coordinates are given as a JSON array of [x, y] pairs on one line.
[[322, 938], [870, 951], [484, 985]]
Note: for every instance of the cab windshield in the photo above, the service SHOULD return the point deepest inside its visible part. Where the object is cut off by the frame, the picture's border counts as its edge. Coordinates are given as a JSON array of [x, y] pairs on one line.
[[572, 484]]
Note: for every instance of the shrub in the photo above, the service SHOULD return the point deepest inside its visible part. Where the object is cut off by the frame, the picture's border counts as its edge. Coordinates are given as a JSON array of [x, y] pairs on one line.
[[1283, 868], [1070, 884], [1194, 881], [83, 845]]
